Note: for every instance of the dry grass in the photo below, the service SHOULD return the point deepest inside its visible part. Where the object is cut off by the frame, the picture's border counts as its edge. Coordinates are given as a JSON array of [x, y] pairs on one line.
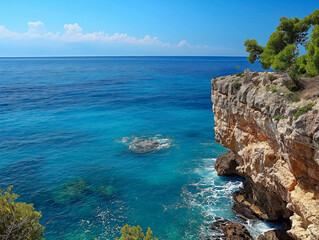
[[311, 88]]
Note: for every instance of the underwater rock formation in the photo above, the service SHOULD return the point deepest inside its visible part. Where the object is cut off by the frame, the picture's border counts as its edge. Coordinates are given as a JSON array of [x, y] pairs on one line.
[[146, 144], [75, 190], [275, 137]]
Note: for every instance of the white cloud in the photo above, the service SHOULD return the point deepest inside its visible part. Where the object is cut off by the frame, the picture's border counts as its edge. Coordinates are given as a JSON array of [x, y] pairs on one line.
[[74, 33], [72, 29], [36, 28], [183, 43]]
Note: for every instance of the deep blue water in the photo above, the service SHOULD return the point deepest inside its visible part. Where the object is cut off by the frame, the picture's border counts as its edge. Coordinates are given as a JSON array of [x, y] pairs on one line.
[[63, 125]]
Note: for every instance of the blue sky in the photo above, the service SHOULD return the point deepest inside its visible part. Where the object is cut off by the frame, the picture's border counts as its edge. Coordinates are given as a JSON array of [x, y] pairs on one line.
[[140, 27]]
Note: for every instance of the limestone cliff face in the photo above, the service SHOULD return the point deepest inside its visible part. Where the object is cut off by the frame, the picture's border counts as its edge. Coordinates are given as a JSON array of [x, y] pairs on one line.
[[276, 143]]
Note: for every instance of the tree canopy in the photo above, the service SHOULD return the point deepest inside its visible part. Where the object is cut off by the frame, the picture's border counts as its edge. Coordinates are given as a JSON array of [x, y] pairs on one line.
[[18, 220], [135, 233], [282, 49]]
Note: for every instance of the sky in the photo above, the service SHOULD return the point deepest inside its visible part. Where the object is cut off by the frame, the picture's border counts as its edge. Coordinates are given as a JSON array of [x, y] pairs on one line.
[[140, 27]]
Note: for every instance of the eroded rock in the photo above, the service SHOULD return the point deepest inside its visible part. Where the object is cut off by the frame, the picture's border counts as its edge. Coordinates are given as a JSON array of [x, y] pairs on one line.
[[276, 151], [226, 164], [236, 231], [275, 235]]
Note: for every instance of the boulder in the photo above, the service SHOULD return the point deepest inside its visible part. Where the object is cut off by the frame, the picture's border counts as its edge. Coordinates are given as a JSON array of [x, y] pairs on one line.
[[226, 164], [236, 231], [280, 234]]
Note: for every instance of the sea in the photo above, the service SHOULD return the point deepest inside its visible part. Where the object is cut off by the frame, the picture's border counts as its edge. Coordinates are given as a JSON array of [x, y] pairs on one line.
[[96, 143]]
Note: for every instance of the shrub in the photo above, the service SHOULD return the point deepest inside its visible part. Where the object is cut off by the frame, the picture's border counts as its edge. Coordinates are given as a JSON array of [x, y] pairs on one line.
[[291, 96], [303, 110], [18, 220], [294, 75], [267, 107], [277, 118], [273, 89], [239, 74], [271, 77], [236, 85], [315, 111], [135, 233]]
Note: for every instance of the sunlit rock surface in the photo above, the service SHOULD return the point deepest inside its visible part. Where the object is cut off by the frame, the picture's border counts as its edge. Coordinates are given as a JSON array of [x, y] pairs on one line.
[[277, 152]]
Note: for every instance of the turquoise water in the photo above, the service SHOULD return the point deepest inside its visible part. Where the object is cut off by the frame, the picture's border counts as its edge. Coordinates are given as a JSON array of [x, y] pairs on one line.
[[66, 129]]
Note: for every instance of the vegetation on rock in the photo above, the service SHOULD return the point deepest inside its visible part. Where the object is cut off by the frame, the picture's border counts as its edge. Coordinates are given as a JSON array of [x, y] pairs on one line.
[[303, 110], [18, 220]]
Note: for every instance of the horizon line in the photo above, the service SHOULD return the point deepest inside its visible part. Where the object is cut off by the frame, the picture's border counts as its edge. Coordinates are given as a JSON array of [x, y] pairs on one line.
[[48, 56]]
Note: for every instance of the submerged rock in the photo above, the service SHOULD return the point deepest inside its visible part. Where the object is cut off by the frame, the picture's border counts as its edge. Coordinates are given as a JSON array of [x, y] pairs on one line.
[[70, 191], [102, 190], [146, 144], [143, 145], [76, 189]]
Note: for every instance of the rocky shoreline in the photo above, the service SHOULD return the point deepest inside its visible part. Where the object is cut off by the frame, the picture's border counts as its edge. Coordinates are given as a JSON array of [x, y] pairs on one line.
[[273, 135]]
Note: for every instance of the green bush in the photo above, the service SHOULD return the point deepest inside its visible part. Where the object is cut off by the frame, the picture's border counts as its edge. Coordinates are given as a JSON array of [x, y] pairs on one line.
[[18, 220], [267, 107], [273, 88], [236, 85], [303, 110], [291, 96], [277, 118], [294, 74], [135, 233], [271, 77]]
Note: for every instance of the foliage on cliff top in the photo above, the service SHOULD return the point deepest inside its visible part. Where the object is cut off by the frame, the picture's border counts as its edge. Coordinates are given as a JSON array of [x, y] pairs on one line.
[[282, 49], [135, 233], [18, 220]]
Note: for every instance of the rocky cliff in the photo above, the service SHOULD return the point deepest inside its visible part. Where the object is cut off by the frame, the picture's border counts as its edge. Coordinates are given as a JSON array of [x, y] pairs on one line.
[[274, 134]]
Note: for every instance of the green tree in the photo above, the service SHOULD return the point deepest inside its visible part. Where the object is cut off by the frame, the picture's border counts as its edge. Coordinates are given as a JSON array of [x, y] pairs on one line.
[[135, 233], [287, 57], [18, 220], [281, 51], [312, 56], [254, 49]]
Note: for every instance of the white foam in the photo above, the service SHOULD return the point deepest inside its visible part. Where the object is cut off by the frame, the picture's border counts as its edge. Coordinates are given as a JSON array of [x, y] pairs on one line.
[[213, 197]]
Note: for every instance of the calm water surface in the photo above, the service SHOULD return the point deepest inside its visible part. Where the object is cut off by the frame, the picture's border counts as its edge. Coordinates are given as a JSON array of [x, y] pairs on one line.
[[66, 127]]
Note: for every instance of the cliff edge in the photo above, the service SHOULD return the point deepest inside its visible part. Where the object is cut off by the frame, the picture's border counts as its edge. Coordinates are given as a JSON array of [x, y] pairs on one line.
[[274, 134]]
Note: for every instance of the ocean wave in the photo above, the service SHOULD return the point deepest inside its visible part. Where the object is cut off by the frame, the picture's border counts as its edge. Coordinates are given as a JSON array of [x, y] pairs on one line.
[[213, 197]]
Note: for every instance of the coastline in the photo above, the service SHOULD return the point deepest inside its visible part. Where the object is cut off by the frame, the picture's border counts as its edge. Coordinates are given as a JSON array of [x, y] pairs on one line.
[[275, 151]]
